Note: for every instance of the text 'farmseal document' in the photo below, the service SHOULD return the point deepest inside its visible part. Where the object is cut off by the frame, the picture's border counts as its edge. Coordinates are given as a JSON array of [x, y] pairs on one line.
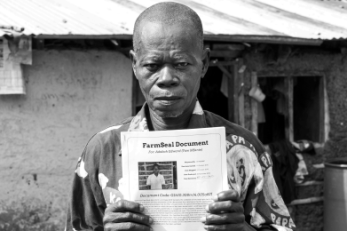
[[174, 174]]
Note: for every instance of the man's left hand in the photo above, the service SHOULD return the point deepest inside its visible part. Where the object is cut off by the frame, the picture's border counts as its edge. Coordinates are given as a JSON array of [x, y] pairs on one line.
[[225, 213]]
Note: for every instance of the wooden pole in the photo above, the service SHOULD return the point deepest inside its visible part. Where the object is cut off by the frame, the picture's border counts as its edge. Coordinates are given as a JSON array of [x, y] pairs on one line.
[[289, 120], [241, 94], [254, 105], [232, 94]]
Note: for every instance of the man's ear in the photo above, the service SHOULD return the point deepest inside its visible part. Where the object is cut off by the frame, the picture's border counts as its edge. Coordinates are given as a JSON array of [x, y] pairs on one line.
[[205, 61], [133, 61]]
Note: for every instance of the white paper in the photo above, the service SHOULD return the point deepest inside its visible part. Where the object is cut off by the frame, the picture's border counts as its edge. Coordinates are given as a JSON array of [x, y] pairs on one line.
[[11, 73], [193, 174]]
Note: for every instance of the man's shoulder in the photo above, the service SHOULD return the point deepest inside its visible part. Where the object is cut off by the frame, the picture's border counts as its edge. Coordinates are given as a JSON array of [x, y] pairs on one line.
[[151, 176], [115, 130], [110, 135], [120, 127], [233, 129]]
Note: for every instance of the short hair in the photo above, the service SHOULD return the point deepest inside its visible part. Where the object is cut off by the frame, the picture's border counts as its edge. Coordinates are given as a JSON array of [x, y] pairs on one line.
[[155, 165], [169, 13]]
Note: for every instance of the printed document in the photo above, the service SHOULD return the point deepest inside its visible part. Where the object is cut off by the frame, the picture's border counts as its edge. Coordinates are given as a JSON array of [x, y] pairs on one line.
[[174, 174]]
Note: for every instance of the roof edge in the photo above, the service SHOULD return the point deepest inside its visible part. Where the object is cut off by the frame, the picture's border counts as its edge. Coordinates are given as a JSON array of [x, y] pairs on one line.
[[263, 39], [207, 37], [83, 36]]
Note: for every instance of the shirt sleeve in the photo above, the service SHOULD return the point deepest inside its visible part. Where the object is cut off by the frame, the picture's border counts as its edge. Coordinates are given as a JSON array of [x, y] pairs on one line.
[[269, 209], [250, 174], [87, 205], [162, 180], [149, 180]]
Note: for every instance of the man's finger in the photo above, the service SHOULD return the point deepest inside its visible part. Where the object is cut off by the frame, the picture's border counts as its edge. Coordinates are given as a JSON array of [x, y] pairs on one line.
[[125, 206], [128, 226], [118, 217], [233, 227], [220, 207], [226, 218], [231, 195]]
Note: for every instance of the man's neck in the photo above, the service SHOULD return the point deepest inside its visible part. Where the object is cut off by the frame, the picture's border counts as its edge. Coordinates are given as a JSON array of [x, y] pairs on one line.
[[172, 123]]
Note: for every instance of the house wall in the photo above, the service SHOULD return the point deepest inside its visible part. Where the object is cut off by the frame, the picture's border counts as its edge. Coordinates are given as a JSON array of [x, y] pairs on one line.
[[70, 96], [301, 61]]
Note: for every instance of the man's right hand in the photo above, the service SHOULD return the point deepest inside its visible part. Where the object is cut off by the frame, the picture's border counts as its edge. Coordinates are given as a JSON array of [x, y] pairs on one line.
[[126, 215]]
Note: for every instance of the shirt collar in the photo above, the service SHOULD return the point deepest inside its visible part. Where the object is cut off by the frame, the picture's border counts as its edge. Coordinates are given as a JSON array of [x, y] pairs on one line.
[[139, 122]]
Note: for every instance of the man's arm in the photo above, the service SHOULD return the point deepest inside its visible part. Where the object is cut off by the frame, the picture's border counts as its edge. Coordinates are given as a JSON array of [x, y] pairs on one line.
[[162, 180], [262, 204], [226, 213], [148, 180], [87, 205]]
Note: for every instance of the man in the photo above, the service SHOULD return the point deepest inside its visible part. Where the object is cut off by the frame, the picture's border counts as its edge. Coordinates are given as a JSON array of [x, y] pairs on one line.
[[169, 61], [155, 180]]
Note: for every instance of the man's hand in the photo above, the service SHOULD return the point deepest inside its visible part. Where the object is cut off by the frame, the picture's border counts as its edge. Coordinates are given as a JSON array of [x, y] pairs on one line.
[[126, 215], [225, 213]]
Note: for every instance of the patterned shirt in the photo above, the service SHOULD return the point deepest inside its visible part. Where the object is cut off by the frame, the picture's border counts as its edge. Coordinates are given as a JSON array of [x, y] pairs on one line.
[[99, 171]]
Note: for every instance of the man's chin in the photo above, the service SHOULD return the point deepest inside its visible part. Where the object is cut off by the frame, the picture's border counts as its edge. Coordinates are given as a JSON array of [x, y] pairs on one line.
[[169, 114]]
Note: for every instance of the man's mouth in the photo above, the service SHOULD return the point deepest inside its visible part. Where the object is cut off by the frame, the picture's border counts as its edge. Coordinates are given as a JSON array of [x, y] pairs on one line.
[[168, 100]]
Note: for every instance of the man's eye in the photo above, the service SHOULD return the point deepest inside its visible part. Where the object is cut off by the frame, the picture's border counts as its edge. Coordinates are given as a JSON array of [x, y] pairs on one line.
[[183, 64], [152, 66]]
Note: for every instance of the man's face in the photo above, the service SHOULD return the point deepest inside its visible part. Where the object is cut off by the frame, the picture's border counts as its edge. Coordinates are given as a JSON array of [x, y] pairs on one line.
[[156, 170], [169, 65]]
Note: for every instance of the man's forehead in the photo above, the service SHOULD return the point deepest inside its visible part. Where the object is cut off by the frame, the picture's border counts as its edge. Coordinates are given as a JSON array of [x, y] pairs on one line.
[[157, 35], [161, 30]]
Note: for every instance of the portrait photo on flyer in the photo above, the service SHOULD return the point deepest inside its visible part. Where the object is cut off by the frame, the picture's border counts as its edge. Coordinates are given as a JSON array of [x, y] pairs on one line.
[[160, 175]]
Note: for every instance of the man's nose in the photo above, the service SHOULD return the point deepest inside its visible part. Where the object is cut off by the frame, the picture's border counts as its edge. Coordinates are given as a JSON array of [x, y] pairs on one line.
[[167, 77]]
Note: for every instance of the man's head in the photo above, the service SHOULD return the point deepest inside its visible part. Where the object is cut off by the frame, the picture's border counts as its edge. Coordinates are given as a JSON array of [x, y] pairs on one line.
[[156, 169], [168, 58], [168, 13]]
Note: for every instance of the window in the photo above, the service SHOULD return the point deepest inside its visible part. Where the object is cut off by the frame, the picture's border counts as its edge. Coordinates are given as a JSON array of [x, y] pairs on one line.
[[295, 108]]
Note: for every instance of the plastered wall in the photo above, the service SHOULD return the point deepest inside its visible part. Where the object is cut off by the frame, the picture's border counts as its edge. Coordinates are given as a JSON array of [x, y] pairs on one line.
[[70, 96]]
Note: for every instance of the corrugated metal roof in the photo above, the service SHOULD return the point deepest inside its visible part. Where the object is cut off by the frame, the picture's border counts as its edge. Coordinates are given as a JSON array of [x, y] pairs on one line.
[[222, 19]]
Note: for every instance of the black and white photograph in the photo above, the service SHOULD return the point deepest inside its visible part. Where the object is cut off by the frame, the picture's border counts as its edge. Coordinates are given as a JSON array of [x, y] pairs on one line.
[[157, 175], [76, 74]]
